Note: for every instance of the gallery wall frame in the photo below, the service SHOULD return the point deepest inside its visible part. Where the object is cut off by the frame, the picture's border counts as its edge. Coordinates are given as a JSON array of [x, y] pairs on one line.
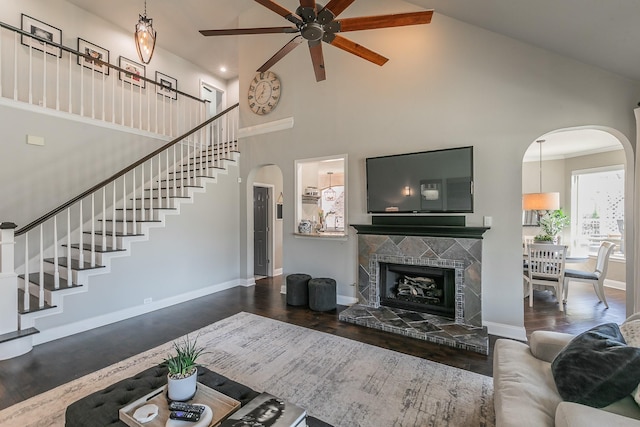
[[95, 52], [133, 72], [44, 31], [166, 85]]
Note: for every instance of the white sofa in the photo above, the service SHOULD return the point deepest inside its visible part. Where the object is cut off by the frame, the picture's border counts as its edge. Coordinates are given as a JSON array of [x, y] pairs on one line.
[[525, 393]]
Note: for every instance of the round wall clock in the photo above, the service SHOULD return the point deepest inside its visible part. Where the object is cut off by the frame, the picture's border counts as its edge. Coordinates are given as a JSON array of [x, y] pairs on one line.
[[264, 92]]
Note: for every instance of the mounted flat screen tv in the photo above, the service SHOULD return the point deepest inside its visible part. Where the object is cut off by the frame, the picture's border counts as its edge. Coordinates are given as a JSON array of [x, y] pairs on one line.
[[426, 182]]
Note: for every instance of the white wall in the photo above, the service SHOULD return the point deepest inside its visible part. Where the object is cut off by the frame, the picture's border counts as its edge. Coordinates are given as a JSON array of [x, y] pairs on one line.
[[447, 84]]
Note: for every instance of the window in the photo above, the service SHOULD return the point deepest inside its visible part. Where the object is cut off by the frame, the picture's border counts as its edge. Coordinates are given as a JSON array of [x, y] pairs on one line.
[[597, 209], [321, 196]]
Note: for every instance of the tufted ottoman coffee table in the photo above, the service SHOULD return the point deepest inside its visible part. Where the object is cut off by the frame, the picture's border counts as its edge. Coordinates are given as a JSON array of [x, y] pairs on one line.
[[100, 409]]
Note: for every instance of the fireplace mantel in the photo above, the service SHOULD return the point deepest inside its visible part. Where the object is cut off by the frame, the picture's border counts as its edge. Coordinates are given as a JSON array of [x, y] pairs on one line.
[[422, 230]]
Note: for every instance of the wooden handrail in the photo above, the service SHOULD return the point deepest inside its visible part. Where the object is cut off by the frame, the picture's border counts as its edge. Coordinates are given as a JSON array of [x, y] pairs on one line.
[[96, 187], [95, 60]]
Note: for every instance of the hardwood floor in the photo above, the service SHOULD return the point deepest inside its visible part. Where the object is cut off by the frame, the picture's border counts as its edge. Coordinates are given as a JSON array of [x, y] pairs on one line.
[[60, 361]]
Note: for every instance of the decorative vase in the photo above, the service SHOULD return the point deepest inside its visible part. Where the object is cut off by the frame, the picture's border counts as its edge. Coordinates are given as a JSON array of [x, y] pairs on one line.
[[305, 226], [182, 389]]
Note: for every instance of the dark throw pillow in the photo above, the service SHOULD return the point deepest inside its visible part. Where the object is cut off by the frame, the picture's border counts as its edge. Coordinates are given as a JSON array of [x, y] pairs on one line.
[[597, 367]]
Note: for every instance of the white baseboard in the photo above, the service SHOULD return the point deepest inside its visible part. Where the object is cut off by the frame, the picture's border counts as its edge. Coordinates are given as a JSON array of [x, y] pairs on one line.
[[16, 347], [277, 272], [106, 319], [615, 284], [514, 332], [345, 300]]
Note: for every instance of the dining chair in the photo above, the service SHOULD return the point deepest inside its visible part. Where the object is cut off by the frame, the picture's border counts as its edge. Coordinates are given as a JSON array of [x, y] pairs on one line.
[[596, 277], [545, 269]]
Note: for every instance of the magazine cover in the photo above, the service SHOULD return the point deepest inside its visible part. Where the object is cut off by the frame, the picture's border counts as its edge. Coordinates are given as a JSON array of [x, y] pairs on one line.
[[267, 410]]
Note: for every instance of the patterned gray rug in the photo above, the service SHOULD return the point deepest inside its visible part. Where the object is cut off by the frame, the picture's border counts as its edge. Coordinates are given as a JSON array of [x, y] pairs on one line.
[[343, 382]]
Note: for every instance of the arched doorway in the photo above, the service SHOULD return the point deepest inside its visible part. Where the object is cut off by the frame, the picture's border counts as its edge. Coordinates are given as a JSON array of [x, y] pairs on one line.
[[584, 155]]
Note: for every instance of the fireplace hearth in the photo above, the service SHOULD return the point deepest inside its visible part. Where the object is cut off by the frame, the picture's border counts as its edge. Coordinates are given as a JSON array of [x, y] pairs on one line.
[[422, 282]]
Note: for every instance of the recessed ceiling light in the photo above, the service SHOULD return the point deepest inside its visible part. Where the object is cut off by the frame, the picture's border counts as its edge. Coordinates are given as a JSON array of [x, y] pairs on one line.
[[223, 69]]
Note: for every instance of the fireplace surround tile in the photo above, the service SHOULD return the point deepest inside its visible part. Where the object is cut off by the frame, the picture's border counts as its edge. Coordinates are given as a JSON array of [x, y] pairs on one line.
[[462, 254]]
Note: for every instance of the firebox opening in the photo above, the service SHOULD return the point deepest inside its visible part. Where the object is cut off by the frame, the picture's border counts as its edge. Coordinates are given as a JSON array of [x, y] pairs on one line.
[[418, 288]]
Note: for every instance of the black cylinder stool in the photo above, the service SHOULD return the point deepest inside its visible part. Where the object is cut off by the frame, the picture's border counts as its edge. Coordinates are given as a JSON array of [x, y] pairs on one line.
[[298, 289], [322, 294]]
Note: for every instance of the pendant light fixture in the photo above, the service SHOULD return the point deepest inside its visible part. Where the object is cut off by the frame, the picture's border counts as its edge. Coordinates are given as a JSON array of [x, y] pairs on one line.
[[145, 37], [541, 201], [329, 194]]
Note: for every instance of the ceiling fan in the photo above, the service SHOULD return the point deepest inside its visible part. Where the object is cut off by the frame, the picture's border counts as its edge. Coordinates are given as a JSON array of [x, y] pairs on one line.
[[316, 24]]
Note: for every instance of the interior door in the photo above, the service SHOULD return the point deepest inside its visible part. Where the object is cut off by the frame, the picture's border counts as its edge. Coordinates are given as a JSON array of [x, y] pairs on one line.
[[260, 230]]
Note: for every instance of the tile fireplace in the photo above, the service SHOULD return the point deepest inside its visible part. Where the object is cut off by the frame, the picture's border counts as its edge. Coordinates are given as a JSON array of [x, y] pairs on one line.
[[421, 281]]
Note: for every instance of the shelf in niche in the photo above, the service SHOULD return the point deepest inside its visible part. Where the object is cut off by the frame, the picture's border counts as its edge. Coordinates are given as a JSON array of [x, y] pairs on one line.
[[310, 200]]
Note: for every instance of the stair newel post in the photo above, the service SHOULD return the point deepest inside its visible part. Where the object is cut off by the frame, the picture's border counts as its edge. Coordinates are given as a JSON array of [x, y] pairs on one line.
[[124, 202], [56, 269], [41, 266], [81, 233], [69, 279], [26, 272], [134, 218], [104, 218], [93, 229], [8, 279]]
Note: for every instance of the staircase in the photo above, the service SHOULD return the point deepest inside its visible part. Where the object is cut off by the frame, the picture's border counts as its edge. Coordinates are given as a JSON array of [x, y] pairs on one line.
[[80, 239]]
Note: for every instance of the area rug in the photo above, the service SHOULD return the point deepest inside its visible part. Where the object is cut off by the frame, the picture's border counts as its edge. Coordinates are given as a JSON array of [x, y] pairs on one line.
[[341, 381]]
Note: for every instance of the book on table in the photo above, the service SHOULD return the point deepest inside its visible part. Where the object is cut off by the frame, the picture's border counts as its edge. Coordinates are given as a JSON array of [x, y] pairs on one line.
[[267, 410]]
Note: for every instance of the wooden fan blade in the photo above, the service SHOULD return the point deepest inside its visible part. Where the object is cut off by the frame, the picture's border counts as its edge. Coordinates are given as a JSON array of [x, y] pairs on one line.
[[338, 6], [361, 51], [385, 21], [317, 58], [240, 31], [295, 42], [308, 3], [280, 10]]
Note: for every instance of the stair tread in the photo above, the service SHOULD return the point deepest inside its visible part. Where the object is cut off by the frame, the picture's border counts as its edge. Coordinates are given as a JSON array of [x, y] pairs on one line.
[[75, 264], [138, 209], [33, 304], [49, 282], [21, 333], [130, 220], [97, 248], [118, 234]]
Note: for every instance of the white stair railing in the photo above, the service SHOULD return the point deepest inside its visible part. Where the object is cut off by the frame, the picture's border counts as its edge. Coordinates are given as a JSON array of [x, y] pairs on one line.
[[138, 192], [39, 72]]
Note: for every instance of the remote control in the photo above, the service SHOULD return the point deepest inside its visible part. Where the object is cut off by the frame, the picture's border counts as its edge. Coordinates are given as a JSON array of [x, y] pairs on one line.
[[184, 416], [186, 407]]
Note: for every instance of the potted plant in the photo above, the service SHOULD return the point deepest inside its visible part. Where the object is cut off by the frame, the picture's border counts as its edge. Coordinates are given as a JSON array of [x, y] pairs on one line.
[[183, 369], [552, 223]]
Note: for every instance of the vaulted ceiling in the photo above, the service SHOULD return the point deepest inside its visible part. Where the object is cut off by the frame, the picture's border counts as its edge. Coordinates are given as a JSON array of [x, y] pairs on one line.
[[601, 33]]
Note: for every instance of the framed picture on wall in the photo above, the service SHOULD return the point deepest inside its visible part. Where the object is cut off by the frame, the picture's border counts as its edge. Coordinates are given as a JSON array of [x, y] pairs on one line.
[[44, 31], [166, 86], [132, 72], [93, 52]]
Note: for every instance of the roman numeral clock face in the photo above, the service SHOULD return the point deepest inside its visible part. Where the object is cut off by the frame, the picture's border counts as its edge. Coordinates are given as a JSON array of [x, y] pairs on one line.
[[264, 92]]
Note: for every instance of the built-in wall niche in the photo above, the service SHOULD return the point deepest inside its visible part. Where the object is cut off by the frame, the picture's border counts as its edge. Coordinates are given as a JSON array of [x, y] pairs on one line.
[[321, 196]]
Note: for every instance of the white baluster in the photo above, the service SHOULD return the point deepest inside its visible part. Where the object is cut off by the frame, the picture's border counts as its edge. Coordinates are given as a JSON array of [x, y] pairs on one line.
[[69, 275], [175, 172], [26, 300], [142, 195], [15, 66], [58, 83], [93, 90], [113, 99], [81, 90], [171, 118], [122, 103], [56, 269], [150, 189], [104, 218], [30, 75], [167, 185], [140, 107], [114, 242], [70, 72], [41, 272], [104, 67], [44, 76], [131, 105], [148, 111], [81, 256], [93, 230], [156, 113], [135, 214], [124, 203]]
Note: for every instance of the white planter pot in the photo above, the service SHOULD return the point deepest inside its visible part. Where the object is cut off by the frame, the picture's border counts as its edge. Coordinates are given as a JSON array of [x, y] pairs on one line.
[[182, 389]]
